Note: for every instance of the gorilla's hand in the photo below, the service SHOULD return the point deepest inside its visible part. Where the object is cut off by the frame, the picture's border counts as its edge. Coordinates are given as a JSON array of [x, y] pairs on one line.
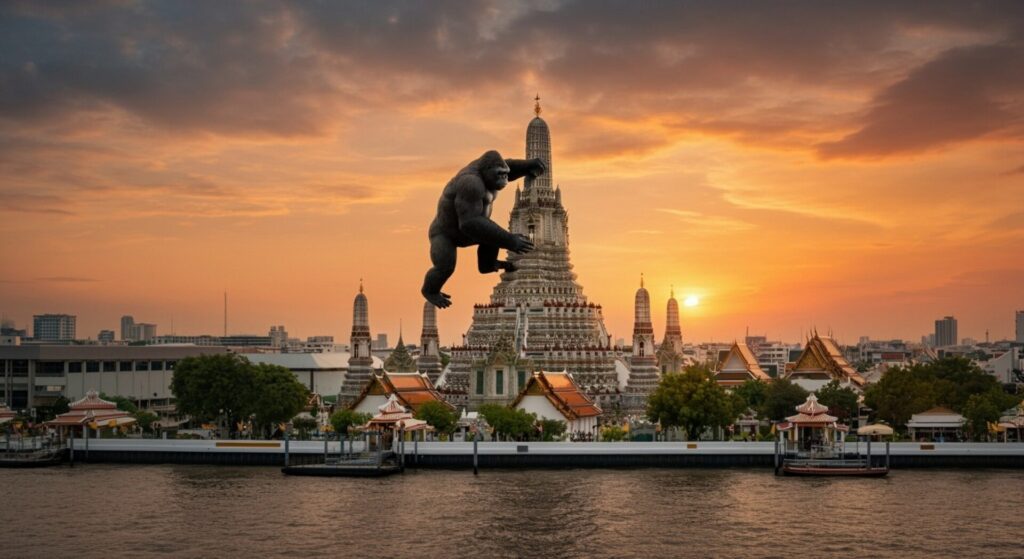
[[522, 244], [537, 167]]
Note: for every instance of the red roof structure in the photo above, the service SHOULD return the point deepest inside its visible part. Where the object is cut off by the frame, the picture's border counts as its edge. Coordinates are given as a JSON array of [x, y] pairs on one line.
[[91, 409], [822, 359], [563, 393], [411, 389], [811, 414], [6, 414], [739, 366]]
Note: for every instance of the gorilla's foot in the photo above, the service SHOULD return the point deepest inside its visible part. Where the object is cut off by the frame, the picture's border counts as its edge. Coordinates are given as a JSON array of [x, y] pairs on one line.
[[439, 300], [507, 266]]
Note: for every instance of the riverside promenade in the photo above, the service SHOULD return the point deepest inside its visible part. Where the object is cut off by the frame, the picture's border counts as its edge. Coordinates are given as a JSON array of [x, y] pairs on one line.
[[458, 455]]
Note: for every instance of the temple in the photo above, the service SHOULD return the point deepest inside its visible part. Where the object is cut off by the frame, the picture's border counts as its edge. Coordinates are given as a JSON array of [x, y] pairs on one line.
[[538, 317], [429, 361], [643, 363], [91, 412], [360, 361], [822, 362], [556, 396], [670, 352], [411, 390], [739, 366]]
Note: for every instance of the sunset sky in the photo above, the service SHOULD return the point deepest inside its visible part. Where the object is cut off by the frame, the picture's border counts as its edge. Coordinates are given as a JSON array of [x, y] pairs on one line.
[[855, 167]]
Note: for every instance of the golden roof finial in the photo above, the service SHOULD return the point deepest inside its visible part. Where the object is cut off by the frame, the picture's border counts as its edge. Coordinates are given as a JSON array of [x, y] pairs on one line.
[[672, 292], [641, 279], [360, 285], [536, 106]]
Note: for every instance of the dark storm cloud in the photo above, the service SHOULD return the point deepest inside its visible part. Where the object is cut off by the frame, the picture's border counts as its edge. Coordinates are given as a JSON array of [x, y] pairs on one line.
[[298, 69], [963, 94]]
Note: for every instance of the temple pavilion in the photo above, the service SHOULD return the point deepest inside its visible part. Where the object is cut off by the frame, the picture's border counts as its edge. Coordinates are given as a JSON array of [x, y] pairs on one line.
[[812, 426], [822, 362], [91, 412], [557, 396], [410, 390], [739, 366]]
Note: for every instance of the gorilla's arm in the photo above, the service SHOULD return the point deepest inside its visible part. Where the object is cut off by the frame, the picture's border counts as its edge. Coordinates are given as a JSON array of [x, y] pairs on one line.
[[469, 206], [519, 168]]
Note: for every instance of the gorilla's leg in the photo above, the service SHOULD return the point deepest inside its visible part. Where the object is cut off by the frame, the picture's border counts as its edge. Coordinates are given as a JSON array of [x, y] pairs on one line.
[[442, 255], [487, 260]]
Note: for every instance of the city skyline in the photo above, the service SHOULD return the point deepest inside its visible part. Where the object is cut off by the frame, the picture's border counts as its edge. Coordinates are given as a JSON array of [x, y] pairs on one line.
[[789, 182]]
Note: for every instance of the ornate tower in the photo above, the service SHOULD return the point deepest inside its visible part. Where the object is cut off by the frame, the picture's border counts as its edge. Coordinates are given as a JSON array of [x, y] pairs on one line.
[[538, 313], [643, 364], [429, 361], [670, 354], [360, 361]]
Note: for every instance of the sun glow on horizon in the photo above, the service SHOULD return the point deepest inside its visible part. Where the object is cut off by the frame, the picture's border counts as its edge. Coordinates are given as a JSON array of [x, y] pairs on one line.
[[691, 301]]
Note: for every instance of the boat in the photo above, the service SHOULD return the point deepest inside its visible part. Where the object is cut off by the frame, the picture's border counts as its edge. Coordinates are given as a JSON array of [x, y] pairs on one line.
[[853, 468], [31, 458], [362, 465]]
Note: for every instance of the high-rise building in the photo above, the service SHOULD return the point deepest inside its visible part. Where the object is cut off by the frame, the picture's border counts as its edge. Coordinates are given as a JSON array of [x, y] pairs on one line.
[[53, 327], [127, 321], [429, 361], [380, 342], [643, 363], [278, 336], [360, 362], [1020, 327], [945, 332], [105, 336], [538, 317]]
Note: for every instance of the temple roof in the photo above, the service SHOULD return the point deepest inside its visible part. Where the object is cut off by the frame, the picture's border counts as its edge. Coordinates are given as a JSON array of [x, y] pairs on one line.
[[562, 391], [822, 354], [739, 360], [409, 389], [812, 412], [91, 409]]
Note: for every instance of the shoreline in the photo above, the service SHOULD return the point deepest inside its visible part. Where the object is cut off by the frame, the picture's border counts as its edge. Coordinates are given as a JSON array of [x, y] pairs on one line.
[[459, 455]]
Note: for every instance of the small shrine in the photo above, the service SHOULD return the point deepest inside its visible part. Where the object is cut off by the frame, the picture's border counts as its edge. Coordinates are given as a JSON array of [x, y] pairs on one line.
[[91, 412], [812, 428]]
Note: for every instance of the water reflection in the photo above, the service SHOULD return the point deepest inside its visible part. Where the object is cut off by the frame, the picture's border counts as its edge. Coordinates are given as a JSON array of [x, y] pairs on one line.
[[193, 511]]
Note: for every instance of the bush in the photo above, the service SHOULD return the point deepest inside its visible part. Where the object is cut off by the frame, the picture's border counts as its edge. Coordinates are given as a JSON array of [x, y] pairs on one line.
[[613, 433]]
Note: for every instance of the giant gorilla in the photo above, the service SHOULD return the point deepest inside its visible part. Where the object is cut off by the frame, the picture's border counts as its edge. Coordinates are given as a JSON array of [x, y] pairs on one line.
[[464, 219]]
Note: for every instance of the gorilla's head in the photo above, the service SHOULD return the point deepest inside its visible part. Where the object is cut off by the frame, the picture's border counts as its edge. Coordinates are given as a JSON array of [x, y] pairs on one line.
[[493, 170]]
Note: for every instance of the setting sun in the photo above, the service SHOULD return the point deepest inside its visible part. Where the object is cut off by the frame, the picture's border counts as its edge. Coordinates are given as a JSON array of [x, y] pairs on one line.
[[691, 301]]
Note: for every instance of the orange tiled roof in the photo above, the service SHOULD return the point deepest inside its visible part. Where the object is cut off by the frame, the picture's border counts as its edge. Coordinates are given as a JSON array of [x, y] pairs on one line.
[[561, 390], [412, 389], [823, 353]]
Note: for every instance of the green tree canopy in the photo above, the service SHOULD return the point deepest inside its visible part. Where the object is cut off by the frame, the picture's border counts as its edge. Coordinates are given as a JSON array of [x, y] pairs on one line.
[[278, 395], [507, 422], [343, 420], [979, 411], [781, 397], [304, 426], [691, 400], [551, 429], [752, 392], [211, 386], [439, 416], [948, 382], [613, 433], [841, 401]]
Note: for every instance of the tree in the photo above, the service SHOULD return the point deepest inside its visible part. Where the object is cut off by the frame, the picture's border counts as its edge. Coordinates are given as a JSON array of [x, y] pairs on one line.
[[752, 392], [214, 386], [781, 397], [145, 420], [841, 401], [551, 429], [511, 423], [123, 404], [279, 396], [304, 425], [439, 416], [691, 400], [343, 420], [979, 411], [613, 433]]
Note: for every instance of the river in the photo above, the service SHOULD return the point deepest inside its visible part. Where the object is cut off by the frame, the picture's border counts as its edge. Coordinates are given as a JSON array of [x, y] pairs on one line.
[[204, 511]]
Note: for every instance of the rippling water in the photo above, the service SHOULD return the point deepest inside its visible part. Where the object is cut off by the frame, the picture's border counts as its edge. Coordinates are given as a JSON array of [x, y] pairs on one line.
[[201, 511]]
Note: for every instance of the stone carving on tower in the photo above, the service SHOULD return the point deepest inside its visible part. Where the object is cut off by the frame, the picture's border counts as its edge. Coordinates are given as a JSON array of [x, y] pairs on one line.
[[643, 364], [360, 361], [670, 353], [429, 361], [538, 309]]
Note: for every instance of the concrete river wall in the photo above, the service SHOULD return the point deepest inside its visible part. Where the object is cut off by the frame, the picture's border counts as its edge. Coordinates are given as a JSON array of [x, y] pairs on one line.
[[535, 454]]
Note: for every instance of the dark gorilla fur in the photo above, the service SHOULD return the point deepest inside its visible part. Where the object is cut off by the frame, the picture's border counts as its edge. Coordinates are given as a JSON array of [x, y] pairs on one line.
[[464, 219]]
